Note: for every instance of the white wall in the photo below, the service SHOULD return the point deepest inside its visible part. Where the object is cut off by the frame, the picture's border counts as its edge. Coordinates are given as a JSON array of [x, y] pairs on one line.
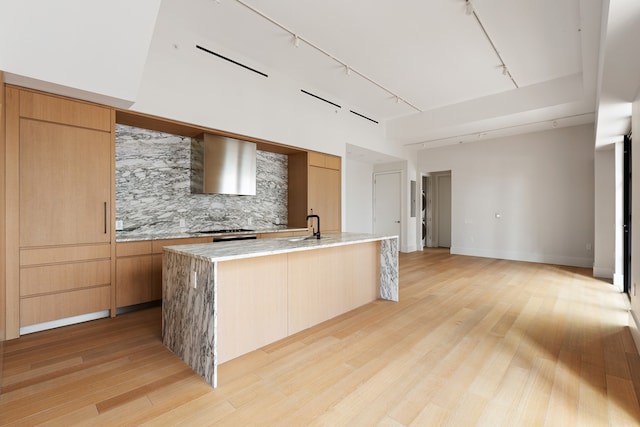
[[541, 184], [358, 203], [604, 213], [85, 49], [618, 252]]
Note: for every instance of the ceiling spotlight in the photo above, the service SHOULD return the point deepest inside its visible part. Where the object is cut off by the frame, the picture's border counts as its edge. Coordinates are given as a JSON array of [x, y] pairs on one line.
[[347, 70], [469, 8], [505, 72], [296, 40], [555, 124], [397, 100]]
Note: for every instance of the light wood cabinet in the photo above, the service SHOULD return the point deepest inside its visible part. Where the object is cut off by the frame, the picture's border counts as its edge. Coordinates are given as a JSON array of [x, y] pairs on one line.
[[328, 282], [324, 197], [139, 269], [315, 186], [65, 186], [252, 304], [59, 157]]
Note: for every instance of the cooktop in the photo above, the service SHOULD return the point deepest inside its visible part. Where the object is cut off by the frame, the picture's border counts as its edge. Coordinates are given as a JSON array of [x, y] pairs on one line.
[[226, 230]]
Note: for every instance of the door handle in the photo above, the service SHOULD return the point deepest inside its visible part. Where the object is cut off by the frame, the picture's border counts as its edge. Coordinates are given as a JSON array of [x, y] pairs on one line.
[[397, 222], [105, 217]]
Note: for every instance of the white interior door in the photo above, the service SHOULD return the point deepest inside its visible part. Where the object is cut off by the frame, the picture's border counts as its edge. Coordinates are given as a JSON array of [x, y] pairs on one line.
[[444, 211], [386, 203]]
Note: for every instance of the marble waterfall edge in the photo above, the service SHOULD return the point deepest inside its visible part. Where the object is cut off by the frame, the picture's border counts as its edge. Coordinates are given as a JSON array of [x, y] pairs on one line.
[[389, 269], [189, 312]]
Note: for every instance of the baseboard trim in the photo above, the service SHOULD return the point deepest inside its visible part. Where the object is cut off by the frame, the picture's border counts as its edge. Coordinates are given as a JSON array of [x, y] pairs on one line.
[[602, 272], [527, 257], [63, 322], [634, 328]]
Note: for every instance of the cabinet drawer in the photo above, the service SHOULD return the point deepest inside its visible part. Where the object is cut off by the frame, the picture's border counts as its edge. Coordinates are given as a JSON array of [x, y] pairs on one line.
[[158, 244], [64, 254], [133, 248], [44, 308], [61, 277]]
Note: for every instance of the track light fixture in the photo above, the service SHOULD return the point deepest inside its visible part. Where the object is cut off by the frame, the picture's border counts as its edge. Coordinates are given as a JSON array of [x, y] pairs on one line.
[[505, 71], [296, 42], [469, 8]]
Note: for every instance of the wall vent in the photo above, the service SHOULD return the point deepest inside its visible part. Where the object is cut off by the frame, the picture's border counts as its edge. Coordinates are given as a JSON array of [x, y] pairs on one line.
[[320, 98], [232, 61], [364, 117]]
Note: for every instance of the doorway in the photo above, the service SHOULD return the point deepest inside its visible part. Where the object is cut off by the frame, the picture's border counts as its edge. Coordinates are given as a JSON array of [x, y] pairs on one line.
[[387, 203], [437, 209], [626, 213]]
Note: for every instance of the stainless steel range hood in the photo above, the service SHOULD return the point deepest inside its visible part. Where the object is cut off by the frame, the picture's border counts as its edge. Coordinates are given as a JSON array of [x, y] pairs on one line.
[[223, 165]]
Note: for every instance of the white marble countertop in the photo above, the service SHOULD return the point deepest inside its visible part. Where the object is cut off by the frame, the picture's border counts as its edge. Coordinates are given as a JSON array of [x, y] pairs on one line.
[[226, 251], [132, 237]]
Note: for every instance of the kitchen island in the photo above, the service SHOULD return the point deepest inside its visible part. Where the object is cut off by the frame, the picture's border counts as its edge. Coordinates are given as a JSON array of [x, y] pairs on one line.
[[222, 300]]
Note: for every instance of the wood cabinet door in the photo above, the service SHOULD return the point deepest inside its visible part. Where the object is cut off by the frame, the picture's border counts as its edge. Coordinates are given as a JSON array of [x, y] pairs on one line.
[[134, 281], [64, 184], [324, 197]]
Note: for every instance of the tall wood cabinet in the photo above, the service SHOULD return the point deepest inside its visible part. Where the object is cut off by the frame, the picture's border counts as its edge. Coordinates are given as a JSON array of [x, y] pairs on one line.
[[315, 187], [59, 192]]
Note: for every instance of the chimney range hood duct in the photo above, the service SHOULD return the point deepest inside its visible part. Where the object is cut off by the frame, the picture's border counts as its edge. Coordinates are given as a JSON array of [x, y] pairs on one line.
[[223, 165]]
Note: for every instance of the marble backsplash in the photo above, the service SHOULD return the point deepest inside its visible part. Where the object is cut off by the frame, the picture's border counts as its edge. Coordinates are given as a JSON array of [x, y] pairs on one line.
[[153, 188]]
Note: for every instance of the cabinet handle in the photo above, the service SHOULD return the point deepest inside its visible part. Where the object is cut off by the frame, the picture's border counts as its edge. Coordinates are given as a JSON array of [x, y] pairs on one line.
[[105, 217]]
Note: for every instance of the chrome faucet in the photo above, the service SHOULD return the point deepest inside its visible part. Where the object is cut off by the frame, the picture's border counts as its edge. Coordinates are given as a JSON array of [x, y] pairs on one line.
[[317, 233]]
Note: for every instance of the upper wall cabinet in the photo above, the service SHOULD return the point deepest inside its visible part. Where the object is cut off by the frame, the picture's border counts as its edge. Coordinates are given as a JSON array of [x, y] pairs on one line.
[[315, 187]]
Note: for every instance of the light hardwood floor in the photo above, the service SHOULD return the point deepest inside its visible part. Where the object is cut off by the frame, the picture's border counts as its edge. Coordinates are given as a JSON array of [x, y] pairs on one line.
[[473, 341]]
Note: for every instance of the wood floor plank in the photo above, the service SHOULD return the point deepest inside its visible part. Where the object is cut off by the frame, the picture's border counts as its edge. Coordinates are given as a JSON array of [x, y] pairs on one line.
[[623, 403], [563, 403], [472, 341]]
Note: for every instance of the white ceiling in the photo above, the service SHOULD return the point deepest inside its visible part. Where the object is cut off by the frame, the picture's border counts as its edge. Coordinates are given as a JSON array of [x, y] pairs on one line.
[[431, 54], [424, 69]]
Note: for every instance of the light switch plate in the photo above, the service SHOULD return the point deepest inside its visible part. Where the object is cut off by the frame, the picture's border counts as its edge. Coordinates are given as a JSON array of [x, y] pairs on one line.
[[119, 225]]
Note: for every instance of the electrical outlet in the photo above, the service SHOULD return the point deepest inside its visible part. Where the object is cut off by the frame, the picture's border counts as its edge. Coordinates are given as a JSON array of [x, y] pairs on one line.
[[119, 225], [588, 246], [183, 223], [249, 221], [277, 221], [194, 279]]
